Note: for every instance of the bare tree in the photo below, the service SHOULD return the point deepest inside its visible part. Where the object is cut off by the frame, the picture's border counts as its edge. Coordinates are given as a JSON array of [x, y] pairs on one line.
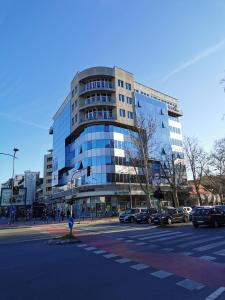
[[173, 170], [216, 171], [196, 160], [140, 154]]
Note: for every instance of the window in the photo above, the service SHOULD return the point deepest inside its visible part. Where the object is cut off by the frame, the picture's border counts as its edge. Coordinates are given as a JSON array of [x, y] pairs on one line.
[[49, 166], [122, 113], [128, 86], [129, 100], [72, 121], [49, 159], [120, 83], [130, 115], [72, 93], [121, 97], [76, 103], [73, 107], [75, 117], [49, 173]]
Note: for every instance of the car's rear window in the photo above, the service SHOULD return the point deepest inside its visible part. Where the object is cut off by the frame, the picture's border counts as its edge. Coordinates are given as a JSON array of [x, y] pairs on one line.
[[202, 212]]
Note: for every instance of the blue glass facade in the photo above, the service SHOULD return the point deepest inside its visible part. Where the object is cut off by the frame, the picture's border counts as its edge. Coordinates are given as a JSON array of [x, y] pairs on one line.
[[61, 129], [157, 111]]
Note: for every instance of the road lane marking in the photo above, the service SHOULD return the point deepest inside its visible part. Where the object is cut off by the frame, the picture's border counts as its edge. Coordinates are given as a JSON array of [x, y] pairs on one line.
[[82, 245], [129, 241], [184, 239], [161, 274], [141, 243], [162, 235], [110, 255], [148, 234], [216, 293], [167, 249], [122, 260], [209, 246], [190, 284], [139, 267], [100, 251], [90, 248], [199, 242], [120, 239], [220, 252], [171, 237], [186, 253], [207, 257]]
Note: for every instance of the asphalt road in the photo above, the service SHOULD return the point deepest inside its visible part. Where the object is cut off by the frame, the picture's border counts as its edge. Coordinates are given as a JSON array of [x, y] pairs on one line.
[[113, 261]]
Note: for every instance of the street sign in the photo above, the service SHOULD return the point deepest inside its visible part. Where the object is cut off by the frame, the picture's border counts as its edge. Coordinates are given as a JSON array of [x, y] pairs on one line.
[[70, 222]]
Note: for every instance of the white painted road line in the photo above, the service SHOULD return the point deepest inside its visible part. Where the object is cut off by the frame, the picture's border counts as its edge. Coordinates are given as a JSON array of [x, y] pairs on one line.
[[148, 234], [110, 255], [140, 243], [199, 241], [162, 235], [139, 267], [207, 257], [167, 249], [171, 237], [161, 274], [220, 252], [210, 246], [81, 245], [193, 237], [90, 248], [123, 260], [129, 241], [100, 251], [186, 253], [216, 294], [190, 285], [120, 239]]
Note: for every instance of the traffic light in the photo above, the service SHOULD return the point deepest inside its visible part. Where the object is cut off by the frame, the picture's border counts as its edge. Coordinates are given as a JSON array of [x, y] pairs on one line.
[[88, 171]]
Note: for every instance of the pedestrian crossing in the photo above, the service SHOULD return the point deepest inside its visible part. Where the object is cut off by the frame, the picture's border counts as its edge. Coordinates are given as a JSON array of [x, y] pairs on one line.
[[208, 245]]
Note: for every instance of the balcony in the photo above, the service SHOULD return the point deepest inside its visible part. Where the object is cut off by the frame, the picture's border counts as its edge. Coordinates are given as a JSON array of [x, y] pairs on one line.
[[84, 103], [98, 85], [174, 111], [96, 118]]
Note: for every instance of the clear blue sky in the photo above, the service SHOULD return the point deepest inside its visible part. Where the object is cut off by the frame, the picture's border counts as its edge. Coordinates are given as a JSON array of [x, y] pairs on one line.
[[176, 46]]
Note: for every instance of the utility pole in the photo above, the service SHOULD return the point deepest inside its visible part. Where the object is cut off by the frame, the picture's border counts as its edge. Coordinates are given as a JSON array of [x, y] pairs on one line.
[[13, 169]]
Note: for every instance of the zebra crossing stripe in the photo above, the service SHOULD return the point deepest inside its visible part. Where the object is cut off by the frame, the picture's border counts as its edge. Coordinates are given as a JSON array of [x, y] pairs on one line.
[[194, 237], [171, 237], [148, 234], [162, 235], [199, 242], [154, 235], [210, 246], [216, 294]]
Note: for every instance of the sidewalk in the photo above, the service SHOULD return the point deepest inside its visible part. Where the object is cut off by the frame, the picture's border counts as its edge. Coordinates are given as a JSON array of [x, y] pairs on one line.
[[4, 222]]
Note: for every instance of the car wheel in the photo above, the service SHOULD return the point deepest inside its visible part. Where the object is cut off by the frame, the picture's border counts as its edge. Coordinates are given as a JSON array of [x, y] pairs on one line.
[[195, 225], [169, 221], [216, 224]]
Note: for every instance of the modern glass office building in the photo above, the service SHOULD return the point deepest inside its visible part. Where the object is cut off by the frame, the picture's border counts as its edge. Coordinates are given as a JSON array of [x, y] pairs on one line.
[[92, 132]]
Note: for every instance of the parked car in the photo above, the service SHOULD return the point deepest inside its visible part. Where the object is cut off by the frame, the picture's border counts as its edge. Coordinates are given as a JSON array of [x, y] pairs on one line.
[[129, 215], [194, 209], [171, 215], [212, 216], [221, 207], [145, 216]]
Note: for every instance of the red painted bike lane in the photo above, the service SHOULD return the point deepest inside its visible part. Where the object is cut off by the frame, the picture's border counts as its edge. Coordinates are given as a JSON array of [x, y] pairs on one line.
[[207, 272]]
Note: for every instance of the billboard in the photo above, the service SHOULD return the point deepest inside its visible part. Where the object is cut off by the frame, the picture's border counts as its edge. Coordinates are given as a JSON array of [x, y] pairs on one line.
[[19, 196]]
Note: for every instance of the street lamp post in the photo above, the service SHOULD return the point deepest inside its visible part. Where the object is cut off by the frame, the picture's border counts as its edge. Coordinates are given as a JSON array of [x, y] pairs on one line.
[[13, 169]]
